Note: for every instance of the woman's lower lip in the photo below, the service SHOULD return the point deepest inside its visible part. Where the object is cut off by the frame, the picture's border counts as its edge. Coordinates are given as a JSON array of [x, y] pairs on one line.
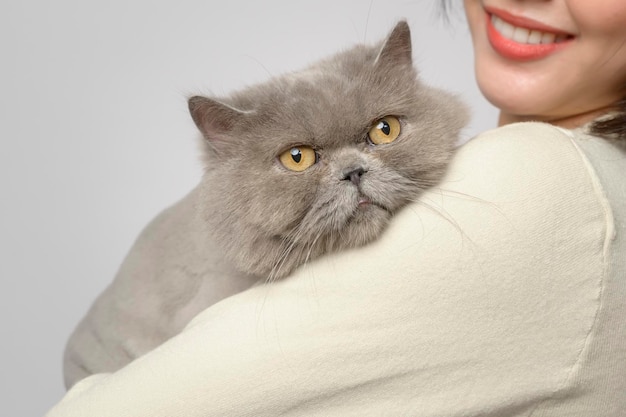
[[519, 51]]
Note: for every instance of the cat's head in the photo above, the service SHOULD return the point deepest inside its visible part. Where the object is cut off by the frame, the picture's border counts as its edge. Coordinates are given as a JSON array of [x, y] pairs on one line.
[[319, 160]]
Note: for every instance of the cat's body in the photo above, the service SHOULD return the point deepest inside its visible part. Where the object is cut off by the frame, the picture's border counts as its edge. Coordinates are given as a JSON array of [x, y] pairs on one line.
[[305, 164]]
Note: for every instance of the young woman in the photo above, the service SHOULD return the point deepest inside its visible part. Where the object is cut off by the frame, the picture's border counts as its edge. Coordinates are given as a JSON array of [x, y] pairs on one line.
[[501, 293], [562, 62]]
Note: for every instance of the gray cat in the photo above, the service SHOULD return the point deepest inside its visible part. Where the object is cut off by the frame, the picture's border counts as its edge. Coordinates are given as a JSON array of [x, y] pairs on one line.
[[308, 163]]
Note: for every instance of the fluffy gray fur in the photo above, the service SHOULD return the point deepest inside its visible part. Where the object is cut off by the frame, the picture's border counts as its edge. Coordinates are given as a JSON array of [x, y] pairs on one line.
[[250, 219]]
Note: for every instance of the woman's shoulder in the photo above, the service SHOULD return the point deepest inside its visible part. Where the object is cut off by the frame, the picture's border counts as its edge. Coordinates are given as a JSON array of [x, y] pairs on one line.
[[535, 154], [537, 141], [539, 177], [532, 157], [520, 158], [521, 143]]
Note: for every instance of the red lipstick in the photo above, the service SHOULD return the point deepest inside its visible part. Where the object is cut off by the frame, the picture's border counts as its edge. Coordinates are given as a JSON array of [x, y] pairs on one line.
[[514, 50]]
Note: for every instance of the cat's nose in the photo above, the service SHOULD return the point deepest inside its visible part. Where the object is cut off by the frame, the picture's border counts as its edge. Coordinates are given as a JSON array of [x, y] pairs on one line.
[[353, 174]]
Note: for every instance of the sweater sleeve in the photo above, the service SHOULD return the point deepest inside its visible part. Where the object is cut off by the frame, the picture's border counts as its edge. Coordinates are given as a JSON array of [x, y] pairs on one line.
[[477, 301]]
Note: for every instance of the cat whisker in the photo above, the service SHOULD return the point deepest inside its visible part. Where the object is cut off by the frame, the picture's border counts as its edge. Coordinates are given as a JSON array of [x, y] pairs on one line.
[[440, 211], [367, 20], [278, 265], [468, 197], [311, 246], [296, 237], [289, 241], [260, 64]]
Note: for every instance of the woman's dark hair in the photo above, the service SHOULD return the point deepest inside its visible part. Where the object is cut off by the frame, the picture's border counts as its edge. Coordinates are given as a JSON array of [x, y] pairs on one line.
[[612, 127]]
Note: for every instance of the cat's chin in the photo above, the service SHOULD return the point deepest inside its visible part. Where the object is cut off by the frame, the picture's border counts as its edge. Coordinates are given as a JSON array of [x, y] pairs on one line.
[[365, 225]]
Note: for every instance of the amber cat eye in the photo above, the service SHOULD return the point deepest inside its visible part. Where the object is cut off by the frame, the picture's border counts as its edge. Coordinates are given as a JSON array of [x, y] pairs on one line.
[[384, 130], [298, 158]]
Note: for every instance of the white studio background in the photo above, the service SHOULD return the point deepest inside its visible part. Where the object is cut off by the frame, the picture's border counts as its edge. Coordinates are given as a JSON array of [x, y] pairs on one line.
[[95, 138]]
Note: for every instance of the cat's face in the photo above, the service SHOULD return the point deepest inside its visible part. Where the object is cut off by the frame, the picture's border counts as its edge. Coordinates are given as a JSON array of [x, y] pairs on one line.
[[320, 159]]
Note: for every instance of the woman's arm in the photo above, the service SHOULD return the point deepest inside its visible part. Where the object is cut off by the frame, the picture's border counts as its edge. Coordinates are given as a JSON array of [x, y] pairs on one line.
[[480, 296]]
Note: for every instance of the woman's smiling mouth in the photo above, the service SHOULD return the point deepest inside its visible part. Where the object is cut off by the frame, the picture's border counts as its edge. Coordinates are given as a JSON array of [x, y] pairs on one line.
[[519, 38]]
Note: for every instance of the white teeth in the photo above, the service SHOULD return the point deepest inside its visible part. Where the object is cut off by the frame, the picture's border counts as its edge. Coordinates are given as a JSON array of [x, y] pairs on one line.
[[506, 29], [522, 35], [534, 37], [548, 38]]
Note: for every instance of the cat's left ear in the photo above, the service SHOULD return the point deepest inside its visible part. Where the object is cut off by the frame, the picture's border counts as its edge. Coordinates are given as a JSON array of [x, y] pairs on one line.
[[396, 49], [215, 120]]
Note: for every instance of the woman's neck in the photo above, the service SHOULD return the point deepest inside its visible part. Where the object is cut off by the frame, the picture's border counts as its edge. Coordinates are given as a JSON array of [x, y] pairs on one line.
[[568, 122]]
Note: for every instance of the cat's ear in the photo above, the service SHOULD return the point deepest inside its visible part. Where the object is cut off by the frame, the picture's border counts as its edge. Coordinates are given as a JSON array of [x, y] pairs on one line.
[[396, 49], [215, 120]]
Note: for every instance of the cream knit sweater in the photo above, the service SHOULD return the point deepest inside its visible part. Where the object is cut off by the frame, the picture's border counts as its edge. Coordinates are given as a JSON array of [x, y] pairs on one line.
[[500, 293]]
